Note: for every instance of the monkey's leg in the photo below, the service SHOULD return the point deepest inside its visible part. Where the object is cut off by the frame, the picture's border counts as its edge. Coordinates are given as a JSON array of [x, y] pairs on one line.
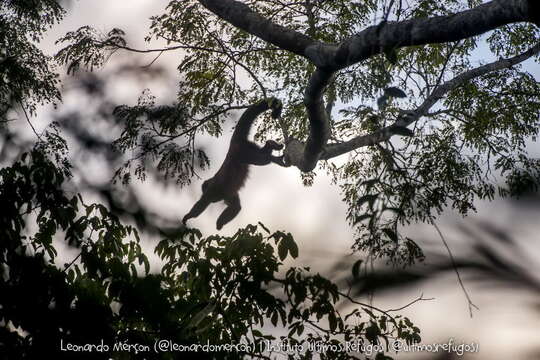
[[262, 158], [252, 154], [197, 209], [230, 212]]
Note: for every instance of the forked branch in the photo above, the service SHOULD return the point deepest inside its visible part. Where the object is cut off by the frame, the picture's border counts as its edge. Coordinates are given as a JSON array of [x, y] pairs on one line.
[[412, 116]]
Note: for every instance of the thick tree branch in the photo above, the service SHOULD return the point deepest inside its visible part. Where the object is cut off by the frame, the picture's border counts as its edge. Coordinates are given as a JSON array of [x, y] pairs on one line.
[[328, 58], [386, 133], [422, 31], [306, 157], [375, 39], [242, 17], [441, 90]]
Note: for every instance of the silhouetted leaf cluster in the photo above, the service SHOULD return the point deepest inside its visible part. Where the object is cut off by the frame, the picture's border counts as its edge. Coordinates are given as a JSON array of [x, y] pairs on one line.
[[220, 289]]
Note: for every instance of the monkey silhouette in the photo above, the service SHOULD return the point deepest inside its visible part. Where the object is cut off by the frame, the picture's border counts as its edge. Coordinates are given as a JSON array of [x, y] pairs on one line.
[[232, 174]]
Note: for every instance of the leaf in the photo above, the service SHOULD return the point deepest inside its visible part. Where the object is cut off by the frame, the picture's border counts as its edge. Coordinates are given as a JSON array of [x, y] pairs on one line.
[[382, 323], [391, 234], [264, 227], [282, 250], [356, 269], [401, 130], [394, 92], [274, 318], [332, 321], [146, 263], [382, 101], [391, 55], [293, 248]]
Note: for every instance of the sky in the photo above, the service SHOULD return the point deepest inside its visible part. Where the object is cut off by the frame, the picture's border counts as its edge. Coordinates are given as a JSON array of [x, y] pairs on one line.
[[504, 326]]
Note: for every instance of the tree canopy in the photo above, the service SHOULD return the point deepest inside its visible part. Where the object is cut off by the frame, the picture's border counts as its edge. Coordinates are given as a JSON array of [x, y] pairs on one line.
[[429, 101], [463, 121]]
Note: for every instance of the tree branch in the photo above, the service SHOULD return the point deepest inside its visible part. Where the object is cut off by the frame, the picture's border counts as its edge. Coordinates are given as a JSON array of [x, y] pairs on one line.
[[375, 39], [28, 120], [242, 17], [306, 157], [454, 266], [329, 58], [386, 133], [421, 31]]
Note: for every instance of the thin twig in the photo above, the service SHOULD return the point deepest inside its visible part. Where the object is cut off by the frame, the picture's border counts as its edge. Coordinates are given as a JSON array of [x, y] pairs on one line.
[[420, 298], [71, 263], [153, 61], [454, 266], [28, 120]]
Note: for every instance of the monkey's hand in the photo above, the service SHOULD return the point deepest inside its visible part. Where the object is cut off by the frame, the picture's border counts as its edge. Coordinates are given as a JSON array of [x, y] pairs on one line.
[[280, 160], [272, 145]]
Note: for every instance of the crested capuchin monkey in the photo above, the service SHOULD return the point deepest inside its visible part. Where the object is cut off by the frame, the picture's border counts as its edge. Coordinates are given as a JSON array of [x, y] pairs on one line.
[[232, 174]]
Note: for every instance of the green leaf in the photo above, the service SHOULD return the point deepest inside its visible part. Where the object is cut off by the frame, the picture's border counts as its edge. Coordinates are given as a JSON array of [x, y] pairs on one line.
[[391, 55], [401, 130], [264, 227], [293, 247], [391, 234], [382, 101], [394, 92], [356, 268], [146, 263], [332, 321], [274, 318], [282, 250]]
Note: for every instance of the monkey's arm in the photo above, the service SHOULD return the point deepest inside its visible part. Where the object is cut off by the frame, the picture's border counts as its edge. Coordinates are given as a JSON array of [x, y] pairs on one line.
[[265, 159], [230, 212], [269, 147], [254, 155], [197, 209]]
